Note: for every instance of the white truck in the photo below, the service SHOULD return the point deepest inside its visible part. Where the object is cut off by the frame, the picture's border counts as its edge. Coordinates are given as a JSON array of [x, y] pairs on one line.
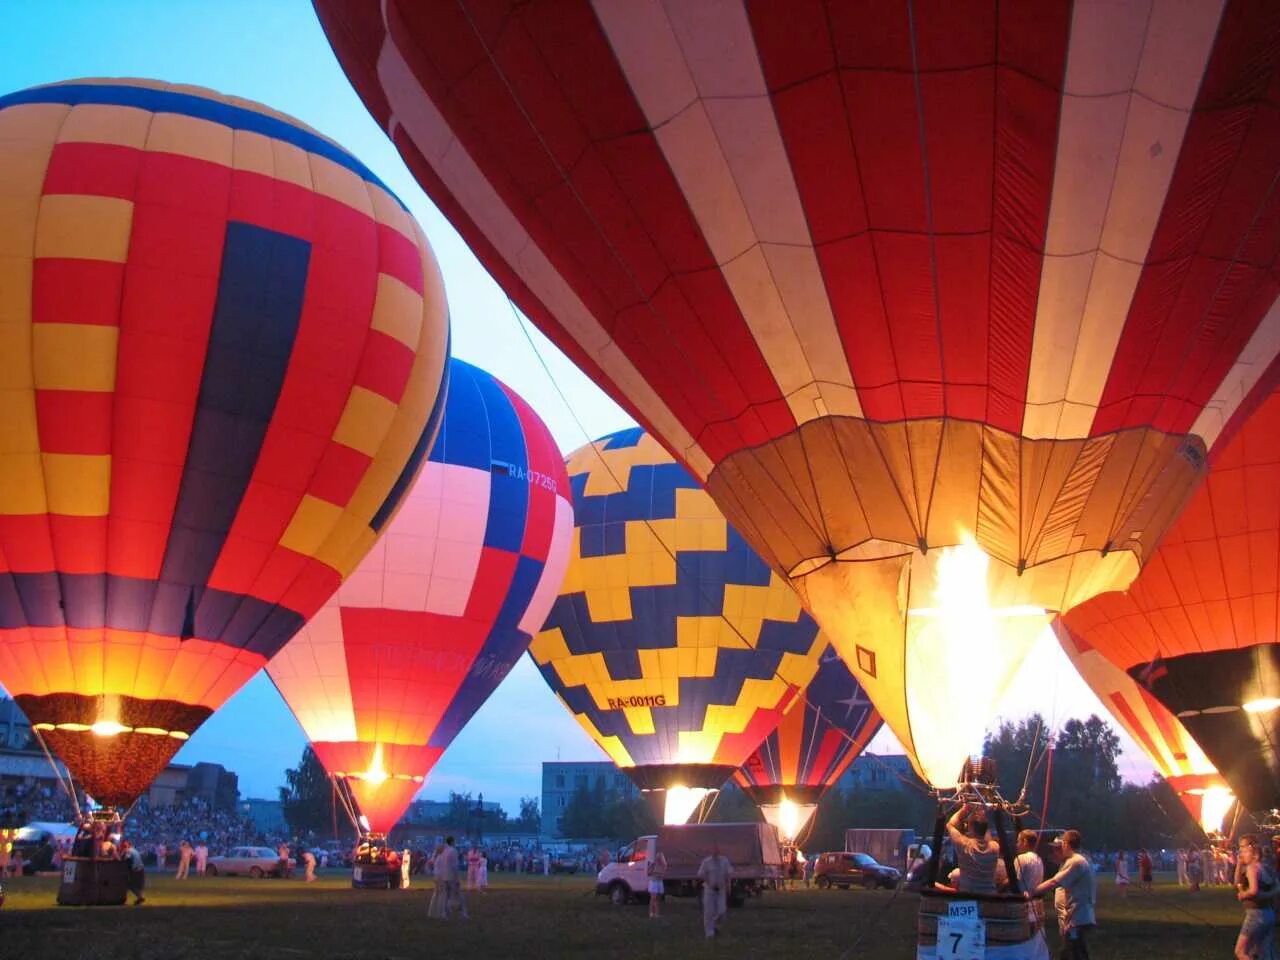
[[752, 848]]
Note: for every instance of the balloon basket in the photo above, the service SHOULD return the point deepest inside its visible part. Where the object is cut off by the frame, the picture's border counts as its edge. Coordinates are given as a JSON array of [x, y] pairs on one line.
[[374, 876], [87, 882], [993, 927]]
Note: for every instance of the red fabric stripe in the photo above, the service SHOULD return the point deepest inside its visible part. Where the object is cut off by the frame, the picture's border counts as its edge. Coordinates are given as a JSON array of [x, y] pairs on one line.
[[815, 771], [93, 169], [544, 461], [76, 291], [81, 543], [273, 204], [405, 667], [74, 421], [989, 195], [385, 366], [502, 273], [340, 472], [489, 589], [642, 258], [1139, 732], [400, 258], [25, 546], [1207, 280]]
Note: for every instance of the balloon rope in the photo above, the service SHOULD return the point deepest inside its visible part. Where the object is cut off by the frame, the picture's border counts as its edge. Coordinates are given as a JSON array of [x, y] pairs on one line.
[[591, 442], [1048, 783], [68, 785], [347, 803]]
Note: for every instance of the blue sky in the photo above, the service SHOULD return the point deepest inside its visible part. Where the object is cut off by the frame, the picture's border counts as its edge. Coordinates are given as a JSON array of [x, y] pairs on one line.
[[274, 51]]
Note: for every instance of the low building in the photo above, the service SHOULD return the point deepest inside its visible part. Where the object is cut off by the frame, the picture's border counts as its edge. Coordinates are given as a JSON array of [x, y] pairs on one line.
[[561, 779], [15, 729]]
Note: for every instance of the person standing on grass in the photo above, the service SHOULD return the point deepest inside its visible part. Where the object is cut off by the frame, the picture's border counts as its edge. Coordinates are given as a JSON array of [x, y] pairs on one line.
[[656, 870], [1145, 869], [1257, 892], [1122, 873], [184, 860], [202, 858], [137, 880], [1075, 894], [715, 872], [1180, 858], [162, 857], [456, 900], [309, 864], [482, 873], [439, 907]]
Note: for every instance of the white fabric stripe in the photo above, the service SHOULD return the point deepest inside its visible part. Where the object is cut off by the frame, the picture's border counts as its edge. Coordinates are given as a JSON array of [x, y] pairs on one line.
[[548, 588], [418, 116], [311, 674], [1133, 71], [712, 116], [1263, 347]]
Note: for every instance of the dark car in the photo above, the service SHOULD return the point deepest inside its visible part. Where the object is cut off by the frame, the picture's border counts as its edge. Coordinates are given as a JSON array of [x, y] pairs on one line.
[[845, 870]]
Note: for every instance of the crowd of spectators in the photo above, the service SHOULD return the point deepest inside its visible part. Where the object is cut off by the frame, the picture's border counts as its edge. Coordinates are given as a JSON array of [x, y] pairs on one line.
[[146, 827]]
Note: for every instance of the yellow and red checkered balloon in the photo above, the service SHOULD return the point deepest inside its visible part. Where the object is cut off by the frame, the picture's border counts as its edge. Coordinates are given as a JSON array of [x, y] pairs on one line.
[[222, 353]]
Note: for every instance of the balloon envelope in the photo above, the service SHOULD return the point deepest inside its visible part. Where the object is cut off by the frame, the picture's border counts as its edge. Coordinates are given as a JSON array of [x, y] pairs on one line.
[[222, 342], [1160, 734], [1198, 628], [672, 642], [889, 278], [816, 741], [384, 676]]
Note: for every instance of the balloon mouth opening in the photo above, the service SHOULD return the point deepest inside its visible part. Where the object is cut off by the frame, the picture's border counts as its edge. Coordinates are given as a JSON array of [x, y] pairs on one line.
[[110, 728], [680, 803]]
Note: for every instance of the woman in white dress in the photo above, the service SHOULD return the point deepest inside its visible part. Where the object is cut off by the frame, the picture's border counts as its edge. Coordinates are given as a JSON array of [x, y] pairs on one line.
[[1122, 873]]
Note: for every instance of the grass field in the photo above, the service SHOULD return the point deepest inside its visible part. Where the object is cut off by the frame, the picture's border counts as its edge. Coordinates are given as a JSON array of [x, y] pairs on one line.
[[543, 917]]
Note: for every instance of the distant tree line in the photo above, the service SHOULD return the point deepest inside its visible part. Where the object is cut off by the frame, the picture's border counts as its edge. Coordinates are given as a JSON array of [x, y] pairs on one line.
[[1086, 792]]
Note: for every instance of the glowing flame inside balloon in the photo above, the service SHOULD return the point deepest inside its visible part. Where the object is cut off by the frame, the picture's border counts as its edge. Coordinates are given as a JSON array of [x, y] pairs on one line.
[[681, 802], [1215, 804], [1262, 705], [107, 728], [376, 773], [961, 654]]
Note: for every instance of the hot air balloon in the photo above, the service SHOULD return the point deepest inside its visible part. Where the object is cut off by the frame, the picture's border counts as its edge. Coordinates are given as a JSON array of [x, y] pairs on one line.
[[672, 643], [1160, 734], [222, 346], [945, 303], [388, 671], [1198, 628], [813, 746]]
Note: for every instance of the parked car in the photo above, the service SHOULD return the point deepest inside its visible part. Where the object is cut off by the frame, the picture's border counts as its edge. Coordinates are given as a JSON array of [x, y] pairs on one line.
[[36, 841], [255, 861], [845, 870], [564, 864]]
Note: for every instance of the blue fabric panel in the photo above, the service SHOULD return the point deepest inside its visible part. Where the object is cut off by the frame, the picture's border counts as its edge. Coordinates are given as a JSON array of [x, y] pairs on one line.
[[190, 105], [508, 468], [623, 438], [255, 321], [650, 495], [623, 663], [464, 429], [501, 650], [76, 600], [524, 580]]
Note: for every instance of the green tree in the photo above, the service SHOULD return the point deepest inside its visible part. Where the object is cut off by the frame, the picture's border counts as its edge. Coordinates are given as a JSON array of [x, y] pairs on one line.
[[307, 800], [530, 819]]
